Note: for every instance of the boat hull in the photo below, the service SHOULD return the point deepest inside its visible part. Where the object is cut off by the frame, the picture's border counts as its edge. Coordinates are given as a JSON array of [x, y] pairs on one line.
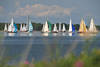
[[54, 32]]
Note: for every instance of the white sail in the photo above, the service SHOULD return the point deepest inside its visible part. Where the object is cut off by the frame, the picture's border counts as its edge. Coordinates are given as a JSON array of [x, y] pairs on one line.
[[46, 29], [21, 28], [70, 26], [24, 27], [27, 27], [55, 28], [43, 28], [92, 27], [9, 28], [64, 29], [5, 28], [59, 27], [12, 22]]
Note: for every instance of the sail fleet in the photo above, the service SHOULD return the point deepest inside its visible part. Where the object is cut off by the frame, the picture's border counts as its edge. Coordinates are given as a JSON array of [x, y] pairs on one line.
[[47, 27]]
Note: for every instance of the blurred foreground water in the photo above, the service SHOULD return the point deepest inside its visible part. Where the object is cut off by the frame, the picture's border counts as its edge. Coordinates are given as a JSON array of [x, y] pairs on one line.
[[39, 46]]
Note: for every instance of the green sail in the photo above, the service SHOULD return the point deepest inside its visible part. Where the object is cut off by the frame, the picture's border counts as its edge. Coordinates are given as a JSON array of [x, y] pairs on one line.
[[50, 26]]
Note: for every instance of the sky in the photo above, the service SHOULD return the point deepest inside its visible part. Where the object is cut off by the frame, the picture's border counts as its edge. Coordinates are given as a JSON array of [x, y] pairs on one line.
[[55, 10]]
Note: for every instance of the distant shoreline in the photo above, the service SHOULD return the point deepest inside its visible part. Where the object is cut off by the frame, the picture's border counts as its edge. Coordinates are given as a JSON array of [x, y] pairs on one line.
[[38, 26]]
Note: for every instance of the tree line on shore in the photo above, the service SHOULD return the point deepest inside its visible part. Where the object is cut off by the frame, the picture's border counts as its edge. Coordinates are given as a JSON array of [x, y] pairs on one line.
[[38, 26]]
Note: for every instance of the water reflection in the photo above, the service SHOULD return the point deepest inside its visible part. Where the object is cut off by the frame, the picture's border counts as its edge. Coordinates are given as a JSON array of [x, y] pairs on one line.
[[37, 33], [12, 34], [63, 34], [45, 34], [30, 34], [70, 34], [54, 34], [23, 34], [87, 34]]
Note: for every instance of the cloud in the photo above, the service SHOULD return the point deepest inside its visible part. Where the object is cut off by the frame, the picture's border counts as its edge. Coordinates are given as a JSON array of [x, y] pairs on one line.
[[1, 9], [42, 10], [17, 4]]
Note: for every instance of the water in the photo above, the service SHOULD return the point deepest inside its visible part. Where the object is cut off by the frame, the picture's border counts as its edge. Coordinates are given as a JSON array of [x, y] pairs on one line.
[[25, 46]]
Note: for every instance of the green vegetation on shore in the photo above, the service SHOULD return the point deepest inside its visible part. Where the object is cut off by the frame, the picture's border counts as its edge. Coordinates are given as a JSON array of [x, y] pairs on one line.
[[83, 60], [38, 26]]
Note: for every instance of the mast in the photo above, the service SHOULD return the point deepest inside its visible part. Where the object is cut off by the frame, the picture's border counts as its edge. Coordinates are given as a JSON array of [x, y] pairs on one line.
[[28, 22]]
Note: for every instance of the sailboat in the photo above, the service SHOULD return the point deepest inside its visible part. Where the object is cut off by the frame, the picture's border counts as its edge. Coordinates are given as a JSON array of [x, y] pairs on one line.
[[59, 27], [12, 27], [5, 28], [71, 27], [43, 28], [63, 29], [30, 27], [92, 28], [21, 28], [47, 27], [24, 28], [82, 28], [55, 29]]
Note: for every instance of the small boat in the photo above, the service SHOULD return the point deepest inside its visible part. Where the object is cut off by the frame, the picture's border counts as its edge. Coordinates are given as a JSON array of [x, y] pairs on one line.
[[55, 29], [82, 28], [63, 29], [5, 28], [21, 28], [59, 27], [12, 27], [71, 27], [24, 28], [92, 28], [43, 28], [30, 27], [47, 27]]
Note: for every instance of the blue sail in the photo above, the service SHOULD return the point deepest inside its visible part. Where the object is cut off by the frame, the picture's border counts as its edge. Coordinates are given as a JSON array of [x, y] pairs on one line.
[[73, 28], [15, 28], [30, 27]]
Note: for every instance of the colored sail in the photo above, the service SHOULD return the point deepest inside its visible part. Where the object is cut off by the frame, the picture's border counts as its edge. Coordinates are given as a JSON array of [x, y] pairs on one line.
[[70, 26], [73, 28], [15, 29], [63, 29], [50, 26], [5, 28], [30, 27], [55, 28], [92, 27], [82, 27]]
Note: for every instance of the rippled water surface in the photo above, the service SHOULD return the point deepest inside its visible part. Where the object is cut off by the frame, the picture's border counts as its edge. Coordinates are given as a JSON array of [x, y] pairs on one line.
[[41, 46]]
